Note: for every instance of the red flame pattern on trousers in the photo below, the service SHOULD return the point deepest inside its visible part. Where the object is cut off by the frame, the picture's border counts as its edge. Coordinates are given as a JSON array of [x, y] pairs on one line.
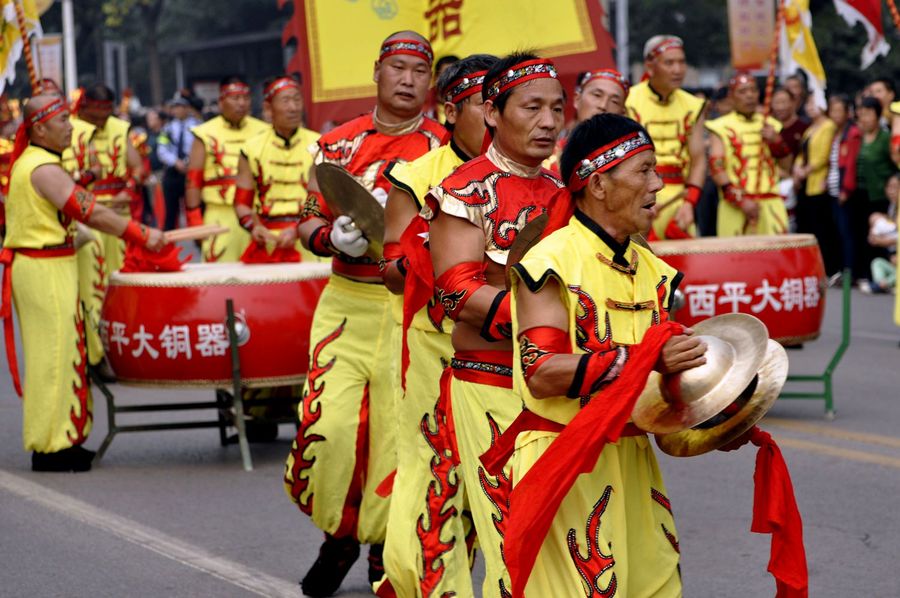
[[82, 416], [441, 490], [594, 563], [312, 411]]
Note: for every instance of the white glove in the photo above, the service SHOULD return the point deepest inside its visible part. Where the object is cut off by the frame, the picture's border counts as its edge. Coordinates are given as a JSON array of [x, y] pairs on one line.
[[348, 239], [381, 195]]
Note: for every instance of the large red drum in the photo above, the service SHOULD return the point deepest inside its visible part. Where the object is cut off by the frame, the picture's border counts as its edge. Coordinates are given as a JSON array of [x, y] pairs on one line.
[[779, 279], [169, 328]]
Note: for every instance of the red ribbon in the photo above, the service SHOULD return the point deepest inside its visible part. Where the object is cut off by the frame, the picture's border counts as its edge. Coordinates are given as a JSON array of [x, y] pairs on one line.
[[535, 500], [6, 258], [775, 512], [418, 288]]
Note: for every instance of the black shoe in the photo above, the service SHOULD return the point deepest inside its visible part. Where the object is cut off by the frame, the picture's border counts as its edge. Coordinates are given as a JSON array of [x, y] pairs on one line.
[[75, 458], [336, 556], [261, 431], [376, 563]]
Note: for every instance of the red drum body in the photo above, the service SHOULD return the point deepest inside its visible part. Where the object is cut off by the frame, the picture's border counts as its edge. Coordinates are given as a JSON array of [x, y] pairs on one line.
[[170, 328], [779, 279]]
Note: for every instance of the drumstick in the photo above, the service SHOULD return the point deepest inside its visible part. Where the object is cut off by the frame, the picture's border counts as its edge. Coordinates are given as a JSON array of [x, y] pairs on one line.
[[195, 233]]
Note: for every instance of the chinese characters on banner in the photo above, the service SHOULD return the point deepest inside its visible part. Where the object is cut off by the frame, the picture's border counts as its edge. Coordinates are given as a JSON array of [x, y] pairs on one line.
[[751, 27], [338, 41], [444, 19], [787, 295], [172, 342]]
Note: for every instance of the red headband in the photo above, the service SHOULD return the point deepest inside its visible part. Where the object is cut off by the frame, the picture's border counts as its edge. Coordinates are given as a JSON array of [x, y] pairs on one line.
[[47, 112], [740, 79], [88, 102], [277, 86], [608, 74], [521, 73], [411, 47], [608, 156], [669, 43], [234, 89], [464, 87]]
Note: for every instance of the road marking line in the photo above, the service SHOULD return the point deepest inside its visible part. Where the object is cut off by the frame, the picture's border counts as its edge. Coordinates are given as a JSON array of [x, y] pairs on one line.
[[849, 454], [237, 574], [833, 432]]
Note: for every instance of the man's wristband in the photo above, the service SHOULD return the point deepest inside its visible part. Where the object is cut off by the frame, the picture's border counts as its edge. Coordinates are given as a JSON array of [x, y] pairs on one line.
[[194, 216], [692, 194], [731, 194], [136, 233], [246, 222], [320, 242]]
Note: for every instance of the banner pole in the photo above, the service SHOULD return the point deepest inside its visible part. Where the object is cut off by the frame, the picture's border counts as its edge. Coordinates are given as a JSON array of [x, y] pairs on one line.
[[895, 15], [770, 81], [26, 47]]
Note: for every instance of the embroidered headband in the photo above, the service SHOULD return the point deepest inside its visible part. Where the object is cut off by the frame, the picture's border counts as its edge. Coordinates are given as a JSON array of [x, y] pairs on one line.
[[277, 86], [529, 70], [411, 47], [88, 102], [739, 79], [608, 74], [608, 156], [234, 89], [47, 112], [464, 87], [666, 43]]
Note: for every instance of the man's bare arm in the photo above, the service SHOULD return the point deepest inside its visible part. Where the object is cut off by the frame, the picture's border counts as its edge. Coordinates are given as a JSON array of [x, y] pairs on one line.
[[455, 241]]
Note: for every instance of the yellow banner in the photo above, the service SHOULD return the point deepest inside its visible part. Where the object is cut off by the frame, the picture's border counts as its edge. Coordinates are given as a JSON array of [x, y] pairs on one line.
[[344, 36], [751, 28]]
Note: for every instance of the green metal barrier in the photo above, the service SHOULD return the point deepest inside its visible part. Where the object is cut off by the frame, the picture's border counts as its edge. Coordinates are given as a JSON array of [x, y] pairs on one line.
[[825, 378]]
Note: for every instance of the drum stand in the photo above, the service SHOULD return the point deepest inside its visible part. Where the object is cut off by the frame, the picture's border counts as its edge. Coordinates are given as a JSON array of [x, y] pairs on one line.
[[228, 404], [825, 378]]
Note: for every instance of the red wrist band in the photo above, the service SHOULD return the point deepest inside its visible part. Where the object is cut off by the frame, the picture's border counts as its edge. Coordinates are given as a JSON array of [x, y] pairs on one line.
[[80, 204], [246, 222], [320, 241], [595, 370], [538, 344], [194, 178], [135, 233], [194, 216], [731, 194], [244, 197], [692, 194]]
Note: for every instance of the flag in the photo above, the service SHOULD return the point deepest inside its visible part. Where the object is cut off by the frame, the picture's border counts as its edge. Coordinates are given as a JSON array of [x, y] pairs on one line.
[[798, 48], [338, 42], [867, 12], [11, 38]]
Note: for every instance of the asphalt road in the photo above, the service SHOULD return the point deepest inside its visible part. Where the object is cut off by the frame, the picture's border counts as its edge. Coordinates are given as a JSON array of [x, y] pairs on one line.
[[173, 514]]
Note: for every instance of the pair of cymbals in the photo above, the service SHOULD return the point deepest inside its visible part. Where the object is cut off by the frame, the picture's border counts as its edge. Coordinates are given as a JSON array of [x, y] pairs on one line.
[[348, 197], [706, 407]]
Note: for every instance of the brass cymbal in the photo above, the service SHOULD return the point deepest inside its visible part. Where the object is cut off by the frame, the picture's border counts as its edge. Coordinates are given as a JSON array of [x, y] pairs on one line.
[[346, 196], [737, 418], [736, 346]]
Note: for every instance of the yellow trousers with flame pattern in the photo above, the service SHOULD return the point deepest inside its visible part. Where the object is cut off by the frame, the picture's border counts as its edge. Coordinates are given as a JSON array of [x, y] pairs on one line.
[[429, 532], [56, 397], [620, 519], [480, 414], [345, 446]]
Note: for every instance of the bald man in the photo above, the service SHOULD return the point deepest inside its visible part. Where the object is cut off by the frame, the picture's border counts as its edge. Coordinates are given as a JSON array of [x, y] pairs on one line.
[[345, 446], [41, 211]]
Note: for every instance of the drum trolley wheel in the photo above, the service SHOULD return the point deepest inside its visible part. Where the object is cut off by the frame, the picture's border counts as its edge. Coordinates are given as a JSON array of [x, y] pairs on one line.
[[228, 404], [825, 378]]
